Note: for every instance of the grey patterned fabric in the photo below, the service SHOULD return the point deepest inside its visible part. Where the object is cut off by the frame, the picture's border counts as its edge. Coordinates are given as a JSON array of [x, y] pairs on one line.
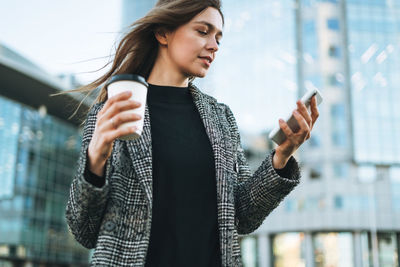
[[116, 218]]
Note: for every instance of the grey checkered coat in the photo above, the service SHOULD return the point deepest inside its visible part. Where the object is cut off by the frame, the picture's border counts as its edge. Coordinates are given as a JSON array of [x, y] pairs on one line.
[[116, 219]]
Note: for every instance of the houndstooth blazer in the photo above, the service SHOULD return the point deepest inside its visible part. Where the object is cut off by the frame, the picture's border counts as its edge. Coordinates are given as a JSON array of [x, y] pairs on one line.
[[116, 218]]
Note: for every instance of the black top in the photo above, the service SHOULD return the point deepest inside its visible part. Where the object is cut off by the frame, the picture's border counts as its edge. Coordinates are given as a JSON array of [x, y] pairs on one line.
[[184, 229]]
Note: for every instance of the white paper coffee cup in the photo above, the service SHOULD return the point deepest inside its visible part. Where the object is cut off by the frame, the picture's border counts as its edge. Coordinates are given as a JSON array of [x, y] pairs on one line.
[[138, 86]]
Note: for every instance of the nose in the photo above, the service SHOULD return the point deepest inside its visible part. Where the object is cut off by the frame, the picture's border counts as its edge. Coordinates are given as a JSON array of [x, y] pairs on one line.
[[212, 45]]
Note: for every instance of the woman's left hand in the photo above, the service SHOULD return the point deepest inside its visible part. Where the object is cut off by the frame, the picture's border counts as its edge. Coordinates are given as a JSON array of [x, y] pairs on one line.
[[294, 140]]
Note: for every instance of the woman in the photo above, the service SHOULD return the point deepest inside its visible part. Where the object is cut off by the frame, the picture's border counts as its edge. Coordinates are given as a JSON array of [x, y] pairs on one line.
[[181, 193]]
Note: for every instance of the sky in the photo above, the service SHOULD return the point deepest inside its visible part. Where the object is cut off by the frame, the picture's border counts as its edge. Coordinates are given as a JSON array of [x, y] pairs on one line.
[[62, 36]]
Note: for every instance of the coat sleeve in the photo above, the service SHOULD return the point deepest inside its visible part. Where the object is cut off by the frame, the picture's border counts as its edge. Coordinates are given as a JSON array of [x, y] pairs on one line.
[[86, 203], [258, 194]]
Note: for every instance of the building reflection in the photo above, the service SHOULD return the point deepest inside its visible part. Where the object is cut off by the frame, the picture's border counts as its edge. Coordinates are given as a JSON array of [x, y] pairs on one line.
[[345, 211], [39, 148]]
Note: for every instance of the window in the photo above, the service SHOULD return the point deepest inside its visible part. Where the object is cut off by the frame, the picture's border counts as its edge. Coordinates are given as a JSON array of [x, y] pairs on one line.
[[316, 172], [249, 251], [334, 51], [339, 127], [387, 246], [333, 24], [333, 249], [314, 203], [333, 80], [338, 202], [341, 170], [288, 249]]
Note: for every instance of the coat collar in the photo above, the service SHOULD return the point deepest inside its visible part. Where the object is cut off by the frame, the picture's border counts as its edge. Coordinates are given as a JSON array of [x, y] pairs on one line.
[[140, 149]]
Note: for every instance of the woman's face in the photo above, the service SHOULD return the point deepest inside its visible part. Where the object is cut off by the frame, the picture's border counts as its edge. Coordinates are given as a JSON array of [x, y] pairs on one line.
[[191, 47]]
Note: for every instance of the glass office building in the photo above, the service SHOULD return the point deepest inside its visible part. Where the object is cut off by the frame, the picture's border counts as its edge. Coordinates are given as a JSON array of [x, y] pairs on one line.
[[344, 213], [38, 155], [373, 29]]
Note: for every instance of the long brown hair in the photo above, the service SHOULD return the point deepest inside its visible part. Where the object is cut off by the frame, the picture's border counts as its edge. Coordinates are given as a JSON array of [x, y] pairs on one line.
[[138, 49]]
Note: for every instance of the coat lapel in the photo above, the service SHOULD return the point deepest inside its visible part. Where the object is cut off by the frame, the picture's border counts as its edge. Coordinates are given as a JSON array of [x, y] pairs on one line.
[[140, 150]]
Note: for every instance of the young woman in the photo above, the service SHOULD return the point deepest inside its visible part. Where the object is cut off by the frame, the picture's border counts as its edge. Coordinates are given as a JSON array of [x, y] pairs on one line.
[[181, 193]]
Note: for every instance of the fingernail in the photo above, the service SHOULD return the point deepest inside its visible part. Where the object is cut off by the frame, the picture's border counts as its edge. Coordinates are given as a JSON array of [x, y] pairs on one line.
[[295, 112], [280, 120]]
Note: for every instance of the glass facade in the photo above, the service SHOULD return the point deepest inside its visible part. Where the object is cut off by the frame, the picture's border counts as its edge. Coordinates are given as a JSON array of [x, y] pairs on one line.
[[38, 153], [333, 249], [288, 250], [394, 174], [387, 246], [9, 129], [373, 29], [248, 246], [354, 45]]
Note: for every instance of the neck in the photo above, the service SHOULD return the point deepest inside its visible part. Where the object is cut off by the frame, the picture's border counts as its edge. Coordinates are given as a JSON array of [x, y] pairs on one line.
[[166, 74]]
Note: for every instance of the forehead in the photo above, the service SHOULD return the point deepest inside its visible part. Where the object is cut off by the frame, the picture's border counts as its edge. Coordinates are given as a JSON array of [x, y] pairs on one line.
[[209, 16]]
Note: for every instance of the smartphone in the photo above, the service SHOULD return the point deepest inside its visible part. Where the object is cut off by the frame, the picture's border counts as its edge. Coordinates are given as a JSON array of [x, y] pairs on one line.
[[277, 135]]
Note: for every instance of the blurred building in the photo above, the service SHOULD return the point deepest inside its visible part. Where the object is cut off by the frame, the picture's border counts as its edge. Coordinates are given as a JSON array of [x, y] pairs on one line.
[[346, 210], [39, 148]]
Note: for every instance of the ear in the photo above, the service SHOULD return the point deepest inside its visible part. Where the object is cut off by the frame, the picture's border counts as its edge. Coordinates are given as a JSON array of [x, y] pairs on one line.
[[161, 36]]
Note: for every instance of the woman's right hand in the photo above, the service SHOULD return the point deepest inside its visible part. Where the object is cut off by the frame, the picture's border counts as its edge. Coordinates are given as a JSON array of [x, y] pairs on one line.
[[109, 118]]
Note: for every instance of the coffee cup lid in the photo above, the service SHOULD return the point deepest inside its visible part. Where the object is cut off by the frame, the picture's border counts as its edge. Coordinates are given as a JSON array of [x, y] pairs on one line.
[[127, 77]]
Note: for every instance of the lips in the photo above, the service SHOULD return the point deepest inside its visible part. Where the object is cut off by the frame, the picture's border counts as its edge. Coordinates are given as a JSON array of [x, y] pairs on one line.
[[209, 59]]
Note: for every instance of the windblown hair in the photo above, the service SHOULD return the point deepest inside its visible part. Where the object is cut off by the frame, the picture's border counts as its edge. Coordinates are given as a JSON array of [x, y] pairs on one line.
[[138, 49]]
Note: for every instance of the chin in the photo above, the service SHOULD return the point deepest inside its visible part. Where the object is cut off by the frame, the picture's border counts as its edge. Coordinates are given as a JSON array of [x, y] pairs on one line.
[[200, 73]]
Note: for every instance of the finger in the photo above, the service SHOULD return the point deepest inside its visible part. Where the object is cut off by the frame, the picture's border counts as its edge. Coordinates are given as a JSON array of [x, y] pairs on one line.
[[314, 110], [304, 112], [286, 129], [117, 133], [119, 119], [304, 127], [118, 107], [118, 97]]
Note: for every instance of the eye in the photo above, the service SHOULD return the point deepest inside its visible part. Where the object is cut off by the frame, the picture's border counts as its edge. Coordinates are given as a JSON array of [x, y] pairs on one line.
[[202, 33]]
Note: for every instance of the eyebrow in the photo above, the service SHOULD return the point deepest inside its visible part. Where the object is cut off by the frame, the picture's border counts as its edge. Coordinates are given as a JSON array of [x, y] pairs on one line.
[[209, 25]]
